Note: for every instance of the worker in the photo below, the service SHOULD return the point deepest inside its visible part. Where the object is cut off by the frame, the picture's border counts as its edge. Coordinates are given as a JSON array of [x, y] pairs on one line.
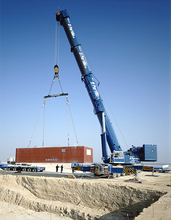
[[61, 168], [57, 168]]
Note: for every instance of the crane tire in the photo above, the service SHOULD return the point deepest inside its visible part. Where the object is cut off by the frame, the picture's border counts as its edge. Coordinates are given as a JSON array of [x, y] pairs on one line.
[[98, 170]]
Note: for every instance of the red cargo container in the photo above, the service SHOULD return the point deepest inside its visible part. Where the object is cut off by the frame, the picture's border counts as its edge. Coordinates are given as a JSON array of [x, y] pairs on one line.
[[79, 154]]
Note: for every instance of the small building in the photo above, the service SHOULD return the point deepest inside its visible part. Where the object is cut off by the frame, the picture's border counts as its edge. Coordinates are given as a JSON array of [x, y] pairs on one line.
[[79, 154]]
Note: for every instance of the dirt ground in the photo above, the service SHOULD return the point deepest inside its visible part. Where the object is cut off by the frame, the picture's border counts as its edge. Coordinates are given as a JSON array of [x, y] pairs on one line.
[[85, 197]]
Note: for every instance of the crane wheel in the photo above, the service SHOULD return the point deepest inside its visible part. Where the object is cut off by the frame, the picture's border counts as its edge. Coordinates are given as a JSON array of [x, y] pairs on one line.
[[98, 170], [33, 170]]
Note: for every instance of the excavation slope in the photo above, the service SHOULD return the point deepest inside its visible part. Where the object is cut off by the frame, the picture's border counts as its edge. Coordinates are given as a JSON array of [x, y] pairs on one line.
[[77, 198]]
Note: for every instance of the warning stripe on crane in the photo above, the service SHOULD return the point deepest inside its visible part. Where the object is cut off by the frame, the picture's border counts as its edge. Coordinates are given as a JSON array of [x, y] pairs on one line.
[[76, 168], [147, 168], [130, 171]]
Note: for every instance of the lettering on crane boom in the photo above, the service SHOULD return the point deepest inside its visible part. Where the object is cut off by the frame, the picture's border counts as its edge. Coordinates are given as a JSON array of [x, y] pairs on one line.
[[84, 61], [79, 47], [95, 90], [71, 29]]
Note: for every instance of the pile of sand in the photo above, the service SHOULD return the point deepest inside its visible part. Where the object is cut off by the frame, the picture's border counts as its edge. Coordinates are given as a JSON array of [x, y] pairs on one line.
[[15, 212]]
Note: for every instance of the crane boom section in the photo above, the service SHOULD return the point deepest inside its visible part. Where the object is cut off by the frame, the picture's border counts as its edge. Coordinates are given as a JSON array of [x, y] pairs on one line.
[[90, 84]]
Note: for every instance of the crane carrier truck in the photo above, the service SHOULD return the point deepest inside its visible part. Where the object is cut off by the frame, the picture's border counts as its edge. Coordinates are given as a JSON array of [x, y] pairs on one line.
[[131, 158]]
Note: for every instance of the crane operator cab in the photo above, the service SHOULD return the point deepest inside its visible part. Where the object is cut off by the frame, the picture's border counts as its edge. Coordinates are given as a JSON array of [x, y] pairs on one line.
[[117, 157]]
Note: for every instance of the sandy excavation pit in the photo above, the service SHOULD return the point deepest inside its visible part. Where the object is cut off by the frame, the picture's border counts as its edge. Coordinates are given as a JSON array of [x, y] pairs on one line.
[[77, 198]]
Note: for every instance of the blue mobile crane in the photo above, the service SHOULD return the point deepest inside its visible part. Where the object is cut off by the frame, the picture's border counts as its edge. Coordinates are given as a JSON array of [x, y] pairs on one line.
[[134, 155]]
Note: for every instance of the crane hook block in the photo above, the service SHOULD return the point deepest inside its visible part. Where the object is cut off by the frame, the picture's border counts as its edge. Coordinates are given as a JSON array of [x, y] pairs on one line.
[[56, 70]]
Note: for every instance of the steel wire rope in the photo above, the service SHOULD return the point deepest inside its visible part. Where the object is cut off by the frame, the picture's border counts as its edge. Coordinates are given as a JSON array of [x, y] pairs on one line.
[[56, 60], [57, 40], [51, 85], [60, 85], [44, 102], [68, 106], [114, 117], [44, 124], [55, 43], [72, 120], [56, 54], [67, 119], [36, 123]]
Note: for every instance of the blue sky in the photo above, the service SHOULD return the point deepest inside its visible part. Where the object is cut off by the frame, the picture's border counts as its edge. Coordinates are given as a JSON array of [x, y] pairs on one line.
[[127, 45]]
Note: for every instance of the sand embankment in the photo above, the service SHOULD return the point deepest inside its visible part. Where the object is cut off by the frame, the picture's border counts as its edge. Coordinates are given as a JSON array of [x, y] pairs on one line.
[[90, 198]]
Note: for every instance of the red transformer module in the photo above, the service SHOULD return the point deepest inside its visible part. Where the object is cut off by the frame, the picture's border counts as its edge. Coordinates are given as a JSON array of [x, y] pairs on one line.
[[79, 154]]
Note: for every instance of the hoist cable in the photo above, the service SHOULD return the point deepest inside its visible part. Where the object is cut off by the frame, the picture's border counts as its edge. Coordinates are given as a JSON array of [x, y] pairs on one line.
[[56, 61], [60, 84], [36, 123], [115, 119], [44, 123], [72, 120], [67, 102], [67, 118], [51, 86], [55, 43], [58, 42]]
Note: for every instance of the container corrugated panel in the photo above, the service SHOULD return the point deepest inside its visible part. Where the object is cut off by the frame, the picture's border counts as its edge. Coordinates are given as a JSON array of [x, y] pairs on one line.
[[79, 154]]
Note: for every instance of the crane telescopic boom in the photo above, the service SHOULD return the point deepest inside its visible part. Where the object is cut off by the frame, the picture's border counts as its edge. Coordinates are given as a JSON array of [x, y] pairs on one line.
[[91, 86], [133, 155]]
